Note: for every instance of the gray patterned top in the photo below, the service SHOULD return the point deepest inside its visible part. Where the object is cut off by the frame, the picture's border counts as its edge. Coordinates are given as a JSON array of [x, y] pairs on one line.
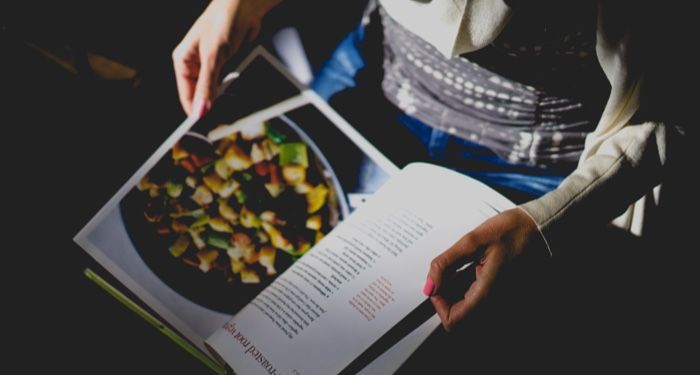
[[531, 96]]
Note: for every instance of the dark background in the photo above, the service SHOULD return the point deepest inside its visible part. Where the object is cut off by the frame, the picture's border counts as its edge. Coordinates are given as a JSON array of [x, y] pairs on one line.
[[70, 140]]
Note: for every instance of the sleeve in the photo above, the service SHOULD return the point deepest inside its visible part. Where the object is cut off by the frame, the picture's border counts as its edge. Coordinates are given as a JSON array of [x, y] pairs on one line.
[[623, 169], [623, 158]]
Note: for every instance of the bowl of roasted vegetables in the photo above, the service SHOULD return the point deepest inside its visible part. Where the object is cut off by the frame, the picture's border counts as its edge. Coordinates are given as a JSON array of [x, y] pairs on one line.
[[218, 221]]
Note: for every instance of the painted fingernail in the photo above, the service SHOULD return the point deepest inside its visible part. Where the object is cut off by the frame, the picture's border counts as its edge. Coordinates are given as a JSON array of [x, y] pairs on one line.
[[202, 107], [429, 287]]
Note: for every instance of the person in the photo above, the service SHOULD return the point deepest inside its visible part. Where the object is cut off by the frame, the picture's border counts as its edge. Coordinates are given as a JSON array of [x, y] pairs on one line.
[[542, 103]]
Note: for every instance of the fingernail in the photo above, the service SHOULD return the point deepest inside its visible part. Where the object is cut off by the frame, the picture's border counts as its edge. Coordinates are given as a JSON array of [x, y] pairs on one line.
[[429, 287], [202, 107]]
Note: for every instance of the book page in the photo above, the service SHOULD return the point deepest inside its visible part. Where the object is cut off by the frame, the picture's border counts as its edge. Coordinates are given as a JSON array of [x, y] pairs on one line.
[[360, 280]]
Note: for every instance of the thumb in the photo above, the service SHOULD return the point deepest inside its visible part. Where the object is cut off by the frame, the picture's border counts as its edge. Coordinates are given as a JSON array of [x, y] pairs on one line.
[[207, 84]]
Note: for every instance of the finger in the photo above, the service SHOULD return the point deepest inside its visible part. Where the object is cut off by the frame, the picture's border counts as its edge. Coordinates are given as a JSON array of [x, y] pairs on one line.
[[444, 312], [455, 256], [186, 73], [207, 80], [479, 289]]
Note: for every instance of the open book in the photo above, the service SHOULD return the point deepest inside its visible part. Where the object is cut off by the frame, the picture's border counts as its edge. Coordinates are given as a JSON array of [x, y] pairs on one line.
[[275, 238]]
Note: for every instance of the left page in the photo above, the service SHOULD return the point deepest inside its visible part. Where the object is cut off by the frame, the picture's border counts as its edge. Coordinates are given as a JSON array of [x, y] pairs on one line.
[[231, 200]]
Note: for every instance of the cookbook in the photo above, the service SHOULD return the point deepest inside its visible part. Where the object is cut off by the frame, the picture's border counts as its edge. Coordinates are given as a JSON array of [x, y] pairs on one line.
[[275, 238]]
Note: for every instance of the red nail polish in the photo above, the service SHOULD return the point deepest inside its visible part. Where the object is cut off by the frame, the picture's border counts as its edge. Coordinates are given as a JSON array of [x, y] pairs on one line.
[[201, 107], [429, 287]]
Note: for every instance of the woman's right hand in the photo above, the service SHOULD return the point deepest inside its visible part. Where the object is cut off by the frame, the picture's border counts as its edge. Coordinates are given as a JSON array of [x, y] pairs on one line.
[[216, 35]]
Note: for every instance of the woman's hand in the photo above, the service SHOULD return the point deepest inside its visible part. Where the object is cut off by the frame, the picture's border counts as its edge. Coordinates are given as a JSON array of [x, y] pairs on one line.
[[212, 40], [492, 244]]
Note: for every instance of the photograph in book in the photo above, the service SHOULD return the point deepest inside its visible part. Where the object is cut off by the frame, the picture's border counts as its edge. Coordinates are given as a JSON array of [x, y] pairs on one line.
[[231, 200]]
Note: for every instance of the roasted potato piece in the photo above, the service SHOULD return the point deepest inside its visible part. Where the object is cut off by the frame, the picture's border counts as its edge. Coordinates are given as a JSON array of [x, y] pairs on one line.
[[206, 259], [267, 259], [276, 237], [202, 195], [249, 276], [316, 198]]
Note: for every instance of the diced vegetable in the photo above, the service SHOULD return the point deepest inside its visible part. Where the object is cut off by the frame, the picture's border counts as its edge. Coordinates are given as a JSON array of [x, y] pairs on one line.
[[250, 256], [316, 198], [163, 230], [256, 153], [235, 252], [153, 191], [213, 182], [202, 195], [197, 239], [247, 176], [194, 213], [249, 276], [319, 236], [228, 188], [274, 189], [262, 236], [180, 246], [152, 218], [267, 259], [236, 265], [223, 169], [241, 196], [187, 164], [241, 240], [271, 217], [270, 149], [220, 224], [303, 248], [262, 169], [224, 143], [237, 159], [293, 154], [174, 190], [268, 216], [274, 135], [249, 219], [314, 222], [191, 181], [145, 184], [179, 227], [227, 211], [276, 237], [179, 152], [218, 242], [206, 258], [250, 130], [206, 168], [199, 162], [303, 188], [294, 174], [200, 222]]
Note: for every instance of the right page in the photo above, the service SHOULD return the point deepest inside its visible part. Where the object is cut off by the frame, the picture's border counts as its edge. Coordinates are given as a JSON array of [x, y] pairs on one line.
[[360, 280]]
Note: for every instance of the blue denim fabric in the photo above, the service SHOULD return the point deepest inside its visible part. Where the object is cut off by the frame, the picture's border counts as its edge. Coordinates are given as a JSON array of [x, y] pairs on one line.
[[338, 74]]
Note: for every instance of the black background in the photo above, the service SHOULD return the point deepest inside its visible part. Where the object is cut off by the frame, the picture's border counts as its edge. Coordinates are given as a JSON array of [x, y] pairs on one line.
[[68, 142]]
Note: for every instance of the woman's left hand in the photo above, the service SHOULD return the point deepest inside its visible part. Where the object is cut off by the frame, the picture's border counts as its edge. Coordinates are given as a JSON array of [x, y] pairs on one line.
[[492, 244]]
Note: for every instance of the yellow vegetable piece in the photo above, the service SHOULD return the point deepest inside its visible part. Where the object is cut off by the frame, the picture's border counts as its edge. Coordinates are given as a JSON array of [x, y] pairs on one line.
[[316, 198]]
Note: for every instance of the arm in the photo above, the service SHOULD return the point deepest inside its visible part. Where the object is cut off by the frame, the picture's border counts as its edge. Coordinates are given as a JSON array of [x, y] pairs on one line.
[[622, 161]]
